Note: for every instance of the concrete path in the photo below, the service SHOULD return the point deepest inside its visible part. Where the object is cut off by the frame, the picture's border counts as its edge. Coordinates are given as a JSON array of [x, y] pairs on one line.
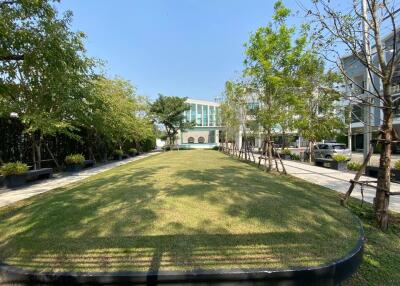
[[338, 181], [8, 196]]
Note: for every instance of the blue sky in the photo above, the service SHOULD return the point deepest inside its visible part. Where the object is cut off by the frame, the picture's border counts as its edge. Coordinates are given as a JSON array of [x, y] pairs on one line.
[[174, 47]]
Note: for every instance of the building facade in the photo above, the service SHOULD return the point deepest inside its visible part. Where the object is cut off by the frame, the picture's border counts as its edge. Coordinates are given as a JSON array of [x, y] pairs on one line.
[[205, 115], [362, 113]]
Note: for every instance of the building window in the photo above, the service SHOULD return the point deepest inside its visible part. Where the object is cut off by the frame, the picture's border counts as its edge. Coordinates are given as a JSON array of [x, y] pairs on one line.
[[201, 140], [190, 140], [217, 122], [205, 115], [212, 116], [192, 112], [199, 115], [211, 136]]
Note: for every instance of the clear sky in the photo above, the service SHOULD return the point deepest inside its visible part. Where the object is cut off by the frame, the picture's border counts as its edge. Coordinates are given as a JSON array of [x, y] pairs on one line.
[[174, 47]]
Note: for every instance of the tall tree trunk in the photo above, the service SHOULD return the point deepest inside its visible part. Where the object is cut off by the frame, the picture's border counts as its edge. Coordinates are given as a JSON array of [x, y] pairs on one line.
[[269, 150], [381, 201]]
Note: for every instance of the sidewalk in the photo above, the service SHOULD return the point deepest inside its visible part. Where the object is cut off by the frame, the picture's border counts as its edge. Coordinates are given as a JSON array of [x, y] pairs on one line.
[[338, 181], [8, 196]]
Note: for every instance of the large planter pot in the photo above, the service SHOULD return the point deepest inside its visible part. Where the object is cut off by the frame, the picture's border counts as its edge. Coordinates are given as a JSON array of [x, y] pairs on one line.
[[286, 157], [73, 168], [340, 166], [372, 171], [15, 181]]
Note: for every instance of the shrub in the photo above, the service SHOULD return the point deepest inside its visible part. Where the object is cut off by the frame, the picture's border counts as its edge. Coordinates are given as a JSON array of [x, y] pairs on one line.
[[74, 159], [286, 152], [133, 151], [295, 157], [118, 152], [216, 148], [148, 144], [339, 158], [354, 166], [397, 165], [14, 168]]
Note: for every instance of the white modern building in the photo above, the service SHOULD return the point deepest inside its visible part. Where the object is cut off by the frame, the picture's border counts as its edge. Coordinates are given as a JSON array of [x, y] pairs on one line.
[[207, 125]]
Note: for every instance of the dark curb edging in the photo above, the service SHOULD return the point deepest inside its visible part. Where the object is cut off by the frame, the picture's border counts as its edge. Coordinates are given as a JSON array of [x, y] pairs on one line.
[[327, 275]]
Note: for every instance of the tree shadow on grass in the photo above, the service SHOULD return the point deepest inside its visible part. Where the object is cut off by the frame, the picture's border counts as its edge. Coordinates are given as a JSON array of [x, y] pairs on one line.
[[172, 252]]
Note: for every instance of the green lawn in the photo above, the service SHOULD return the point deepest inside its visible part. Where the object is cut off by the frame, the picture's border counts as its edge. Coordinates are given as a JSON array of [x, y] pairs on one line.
[[178, 210]]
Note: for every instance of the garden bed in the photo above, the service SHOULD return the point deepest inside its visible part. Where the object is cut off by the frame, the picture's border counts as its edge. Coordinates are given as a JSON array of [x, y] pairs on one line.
[[179, 212]]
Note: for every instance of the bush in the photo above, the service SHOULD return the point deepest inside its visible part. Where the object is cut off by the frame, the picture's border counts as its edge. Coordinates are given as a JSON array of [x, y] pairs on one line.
[[74, 159], [295, 157], [133, 151], [286, 152], [216, 148], [354, 166], [148, 144], [339, 158], [118, 152], [14, 168], [397, 165]]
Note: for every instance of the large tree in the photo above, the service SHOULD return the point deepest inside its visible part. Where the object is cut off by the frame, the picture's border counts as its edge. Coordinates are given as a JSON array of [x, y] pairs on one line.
[[169, 111], [273, 59], [360, 31], [44, 73]]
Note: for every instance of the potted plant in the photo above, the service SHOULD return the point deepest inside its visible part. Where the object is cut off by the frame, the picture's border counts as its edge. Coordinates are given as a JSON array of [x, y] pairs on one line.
[[14, 173], [118, 154], [132, 152], [286, 154], [295, 157], [74, 162], [396, 171], [353, 166], [341, 162]]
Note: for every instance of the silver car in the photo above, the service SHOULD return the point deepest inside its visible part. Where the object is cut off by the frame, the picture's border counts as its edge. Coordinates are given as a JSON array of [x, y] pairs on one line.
[[327, 150]]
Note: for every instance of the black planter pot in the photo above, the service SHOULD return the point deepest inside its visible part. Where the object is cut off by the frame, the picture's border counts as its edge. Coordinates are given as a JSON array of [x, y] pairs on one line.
[[73, 168], [340, 166], [15, 181], [372, 171]]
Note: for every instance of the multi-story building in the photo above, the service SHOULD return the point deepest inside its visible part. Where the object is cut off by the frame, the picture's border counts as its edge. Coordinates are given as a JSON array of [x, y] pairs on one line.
[[207, 125], [360, 112]]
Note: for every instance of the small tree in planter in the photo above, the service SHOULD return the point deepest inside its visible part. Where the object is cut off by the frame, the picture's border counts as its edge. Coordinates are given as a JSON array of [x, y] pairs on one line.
[[132, 152], [341, 162], [118, 154], [14, 174], [74, 162], [286, 154]]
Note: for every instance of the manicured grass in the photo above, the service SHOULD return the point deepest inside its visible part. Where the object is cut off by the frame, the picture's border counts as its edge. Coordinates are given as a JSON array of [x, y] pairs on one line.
[[179, 210], [381, 265]]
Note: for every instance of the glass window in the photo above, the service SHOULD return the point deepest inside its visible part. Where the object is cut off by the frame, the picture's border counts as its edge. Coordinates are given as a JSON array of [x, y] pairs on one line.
[[187, 114], [217, 123], [190, 140], [211, 136], [198, 117], [212, 116], [205, 115], [192, 112], [201, 140], [339, 147]]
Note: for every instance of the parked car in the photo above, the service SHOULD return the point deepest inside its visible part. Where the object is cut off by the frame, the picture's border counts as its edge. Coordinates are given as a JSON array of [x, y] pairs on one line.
[[327, 150]]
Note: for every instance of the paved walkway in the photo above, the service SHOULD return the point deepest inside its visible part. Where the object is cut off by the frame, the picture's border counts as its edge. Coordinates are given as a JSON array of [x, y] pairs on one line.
[[8, 196], [338, 181]]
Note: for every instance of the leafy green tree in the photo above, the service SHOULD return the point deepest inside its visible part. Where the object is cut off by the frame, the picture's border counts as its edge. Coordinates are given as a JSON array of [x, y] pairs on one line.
[[273, 60], [116, 113], [319, 115], [169, 111], [44, 72]]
